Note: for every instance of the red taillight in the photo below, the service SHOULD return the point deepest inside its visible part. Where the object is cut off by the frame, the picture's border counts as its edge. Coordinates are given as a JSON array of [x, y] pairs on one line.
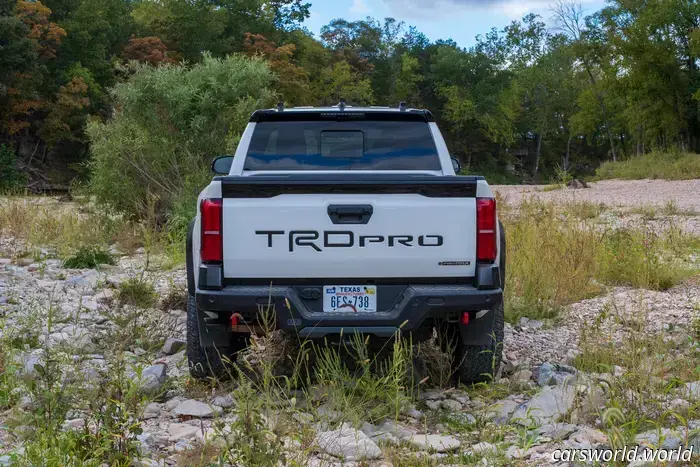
[[211, 248], [465, 318], [486, 230]]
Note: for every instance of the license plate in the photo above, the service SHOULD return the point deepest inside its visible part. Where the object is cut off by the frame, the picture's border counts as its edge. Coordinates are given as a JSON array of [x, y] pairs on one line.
[[350, 298]]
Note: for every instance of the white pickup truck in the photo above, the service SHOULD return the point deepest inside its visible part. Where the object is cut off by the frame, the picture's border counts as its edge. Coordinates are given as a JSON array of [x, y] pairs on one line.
[[345, 220]]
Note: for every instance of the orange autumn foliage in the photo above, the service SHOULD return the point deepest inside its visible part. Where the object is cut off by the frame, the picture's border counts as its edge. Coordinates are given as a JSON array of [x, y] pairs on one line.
[[150, 50], [46, 35], [293, 81], [71, 99]]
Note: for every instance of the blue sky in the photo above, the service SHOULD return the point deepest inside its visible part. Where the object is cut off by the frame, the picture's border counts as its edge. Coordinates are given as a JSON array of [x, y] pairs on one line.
[[460, 20]]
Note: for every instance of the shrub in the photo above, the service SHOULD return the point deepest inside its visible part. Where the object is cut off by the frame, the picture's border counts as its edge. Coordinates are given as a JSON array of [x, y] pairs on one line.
[[138, 292], [672, 165], [176, 299], [154, 154], [88, 257], [11, 177]]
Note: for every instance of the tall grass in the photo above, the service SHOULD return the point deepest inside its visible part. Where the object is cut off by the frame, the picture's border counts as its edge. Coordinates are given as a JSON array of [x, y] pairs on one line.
[[65, 227], [559, 255], [551, 260], [80, 232], [672, 165]]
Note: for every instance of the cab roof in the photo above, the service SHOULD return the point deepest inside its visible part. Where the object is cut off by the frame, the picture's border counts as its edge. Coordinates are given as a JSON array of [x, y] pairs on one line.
[[342, 112]]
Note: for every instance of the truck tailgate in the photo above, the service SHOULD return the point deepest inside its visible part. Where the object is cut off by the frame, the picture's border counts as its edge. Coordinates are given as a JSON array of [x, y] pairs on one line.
[[367, 227]]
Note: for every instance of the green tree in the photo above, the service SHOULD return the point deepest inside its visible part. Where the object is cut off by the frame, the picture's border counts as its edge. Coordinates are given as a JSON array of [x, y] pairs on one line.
[[18, 58], [408, 79], [340, 81], [658, 71], [480, 100]]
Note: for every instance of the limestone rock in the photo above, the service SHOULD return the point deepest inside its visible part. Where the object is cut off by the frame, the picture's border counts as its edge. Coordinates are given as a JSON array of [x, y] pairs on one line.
[[194, 408], [348, 444], [439, 443], [547, 406], [180, 431]]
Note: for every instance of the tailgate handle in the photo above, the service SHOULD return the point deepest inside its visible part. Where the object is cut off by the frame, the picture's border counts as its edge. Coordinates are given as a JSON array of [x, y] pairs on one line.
[[350, 213]]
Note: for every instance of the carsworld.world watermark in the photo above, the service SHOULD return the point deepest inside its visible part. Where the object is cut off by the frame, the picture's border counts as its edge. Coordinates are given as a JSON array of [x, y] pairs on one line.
[[636, 453]]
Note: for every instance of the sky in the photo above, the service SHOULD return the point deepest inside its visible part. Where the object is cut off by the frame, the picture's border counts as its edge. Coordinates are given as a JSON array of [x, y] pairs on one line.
[[459, 20]]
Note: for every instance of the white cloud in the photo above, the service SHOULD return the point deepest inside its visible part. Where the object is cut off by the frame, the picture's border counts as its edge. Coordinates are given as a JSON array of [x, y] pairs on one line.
[[516, 9], [360, 7], [439, 9]]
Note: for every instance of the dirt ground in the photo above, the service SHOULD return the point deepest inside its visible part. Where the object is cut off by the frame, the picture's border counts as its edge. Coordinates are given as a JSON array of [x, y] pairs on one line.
[[684, 193]]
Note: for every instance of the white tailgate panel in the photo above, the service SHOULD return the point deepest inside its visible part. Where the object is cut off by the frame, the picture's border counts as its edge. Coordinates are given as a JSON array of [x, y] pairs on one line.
[[247, 254]]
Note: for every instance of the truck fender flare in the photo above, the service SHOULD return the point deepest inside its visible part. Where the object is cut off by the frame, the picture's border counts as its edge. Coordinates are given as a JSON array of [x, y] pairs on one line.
[[188, 261]]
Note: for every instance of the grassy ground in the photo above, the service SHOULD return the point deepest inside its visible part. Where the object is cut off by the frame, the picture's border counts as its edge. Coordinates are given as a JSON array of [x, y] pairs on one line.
[[79, 233], [674, 165], [561, 254]]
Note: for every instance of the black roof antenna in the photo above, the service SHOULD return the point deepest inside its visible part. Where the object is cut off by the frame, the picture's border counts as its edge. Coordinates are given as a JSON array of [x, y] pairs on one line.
[[402, 106], [341, 104], [280, 106]]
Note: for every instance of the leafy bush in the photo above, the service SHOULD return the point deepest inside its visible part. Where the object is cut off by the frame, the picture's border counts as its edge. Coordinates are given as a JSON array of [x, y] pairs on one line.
[[138, 292], [88, 257], [673, 165], [11, 178], [153, 155]]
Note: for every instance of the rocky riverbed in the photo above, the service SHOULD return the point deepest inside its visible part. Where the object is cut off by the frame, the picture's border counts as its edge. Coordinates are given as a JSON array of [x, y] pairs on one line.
[[554, 390]]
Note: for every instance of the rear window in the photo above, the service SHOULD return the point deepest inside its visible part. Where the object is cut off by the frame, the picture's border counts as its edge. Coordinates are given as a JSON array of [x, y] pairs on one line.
[[349, 145]]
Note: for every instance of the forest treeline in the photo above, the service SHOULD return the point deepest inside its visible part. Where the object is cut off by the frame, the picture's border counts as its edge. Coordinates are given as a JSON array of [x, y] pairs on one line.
[[567, 91]]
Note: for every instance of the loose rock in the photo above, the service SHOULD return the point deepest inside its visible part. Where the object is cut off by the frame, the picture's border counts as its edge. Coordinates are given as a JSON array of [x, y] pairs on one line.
[[173, 346], [439, 443], [348, 443], [194, 408]]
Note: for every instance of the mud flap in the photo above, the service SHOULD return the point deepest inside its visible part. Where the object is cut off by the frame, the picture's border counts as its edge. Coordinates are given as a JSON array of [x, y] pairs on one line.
[[479, 331], [212, 334]]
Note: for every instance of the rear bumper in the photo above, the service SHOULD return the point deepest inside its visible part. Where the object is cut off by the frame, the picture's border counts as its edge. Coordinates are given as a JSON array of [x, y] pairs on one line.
[[410, 307]]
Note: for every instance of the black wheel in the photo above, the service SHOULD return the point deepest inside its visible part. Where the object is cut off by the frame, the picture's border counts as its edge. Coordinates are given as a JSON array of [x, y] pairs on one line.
[[479, 363], [205, 362]]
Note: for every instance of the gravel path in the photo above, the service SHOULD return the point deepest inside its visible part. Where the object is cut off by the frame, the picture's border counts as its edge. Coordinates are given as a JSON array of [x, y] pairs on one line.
[[685, 193]]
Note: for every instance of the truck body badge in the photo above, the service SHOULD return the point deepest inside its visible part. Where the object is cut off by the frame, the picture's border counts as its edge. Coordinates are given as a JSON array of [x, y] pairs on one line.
[[454, 263]]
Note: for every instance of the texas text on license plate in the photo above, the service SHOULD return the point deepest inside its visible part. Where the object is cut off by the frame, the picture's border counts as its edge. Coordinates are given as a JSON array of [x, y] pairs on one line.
[[351, 298]]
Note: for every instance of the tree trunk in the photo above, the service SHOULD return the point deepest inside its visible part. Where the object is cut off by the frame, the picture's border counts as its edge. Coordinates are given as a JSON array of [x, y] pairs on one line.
[[639, 140], [537, 154], [568, 152], [623, 143], [33, 152]]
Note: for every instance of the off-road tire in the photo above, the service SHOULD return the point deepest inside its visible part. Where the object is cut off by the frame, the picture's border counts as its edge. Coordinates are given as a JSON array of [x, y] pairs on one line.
[[206, 362], [479, 363]]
